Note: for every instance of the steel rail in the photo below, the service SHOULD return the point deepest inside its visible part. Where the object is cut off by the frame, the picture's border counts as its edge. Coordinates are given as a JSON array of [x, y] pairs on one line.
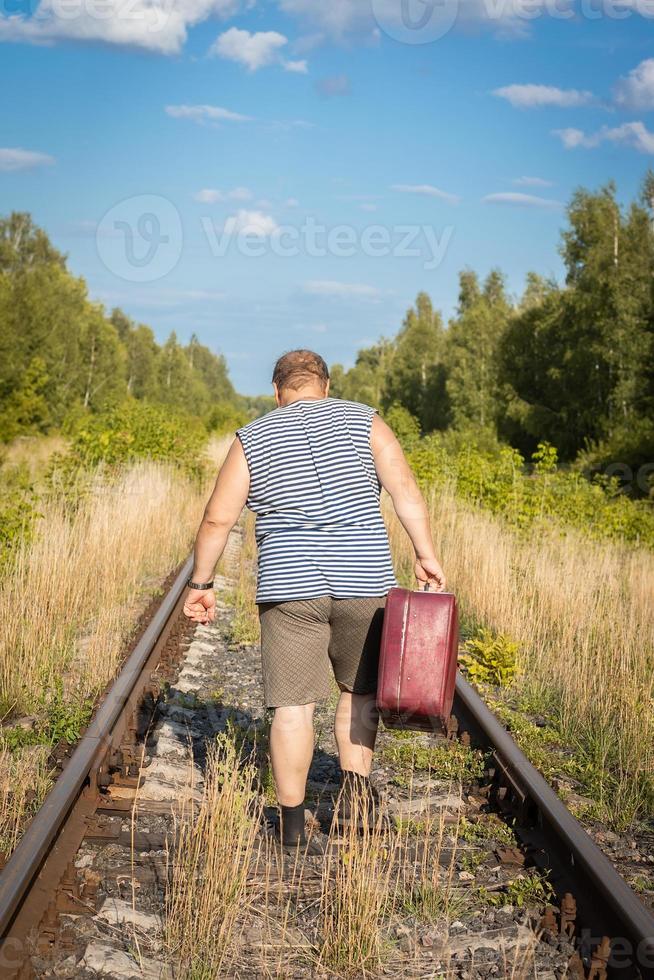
[[25, 863], [605, 898]]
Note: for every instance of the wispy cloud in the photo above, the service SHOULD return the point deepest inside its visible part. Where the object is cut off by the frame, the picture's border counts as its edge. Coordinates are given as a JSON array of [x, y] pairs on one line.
[[206, 113], [532, 182], [340, 290], [636, 90], [516, 200], [631, 134], [426, 190], [255, 50], [333, 86], [14, 158], [537, 96], [211, 195]]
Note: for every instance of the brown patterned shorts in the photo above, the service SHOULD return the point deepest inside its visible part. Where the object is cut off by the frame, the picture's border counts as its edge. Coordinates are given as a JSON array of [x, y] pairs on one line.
[[300, 638]]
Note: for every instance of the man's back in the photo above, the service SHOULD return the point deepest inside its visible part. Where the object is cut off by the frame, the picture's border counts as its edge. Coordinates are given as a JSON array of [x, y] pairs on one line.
[[315, 490]]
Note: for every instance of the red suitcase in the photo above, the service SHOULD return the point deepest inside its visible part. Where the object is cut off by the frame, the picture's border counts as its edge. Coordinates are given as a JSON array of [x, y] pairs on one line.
[[418, 659]]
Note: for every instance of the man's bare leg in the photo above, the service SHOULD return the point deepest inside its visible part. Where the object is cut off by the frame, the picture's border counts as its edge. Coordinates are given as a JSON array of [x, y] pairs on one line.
[[291, 751], [355, 728]]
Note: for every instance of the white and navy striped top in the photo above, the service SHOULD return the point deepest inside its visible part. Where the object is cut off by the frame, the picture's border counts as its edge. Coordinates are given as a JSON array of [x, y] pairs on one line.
[[315, 491]]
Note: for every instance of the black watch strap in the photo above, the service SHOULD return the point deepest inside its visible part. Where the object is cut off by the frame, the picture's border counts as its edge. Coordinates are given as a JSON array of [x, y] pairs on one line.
[[199, 585]]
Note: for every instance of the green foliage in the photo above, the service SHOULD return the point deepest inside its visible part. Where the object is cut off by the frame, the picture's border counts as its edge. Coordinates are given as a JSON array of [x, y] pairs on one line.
[[18, 512], [61, 355], [66, 717], [500, 482], [225, 417], [405, 426], [449, 761], [490, 658], [529, 889], [135, 430]]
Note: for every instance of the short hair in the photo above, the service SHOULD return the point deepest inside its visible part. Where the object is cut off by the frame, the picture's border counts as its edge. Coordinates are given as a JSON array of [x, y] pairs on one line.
[[298, 368]]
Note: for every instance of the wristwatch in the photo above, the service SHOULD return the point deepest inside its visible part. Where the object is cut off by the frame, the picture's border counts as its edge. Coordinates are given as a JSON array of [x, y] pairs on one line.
[[199, 585]]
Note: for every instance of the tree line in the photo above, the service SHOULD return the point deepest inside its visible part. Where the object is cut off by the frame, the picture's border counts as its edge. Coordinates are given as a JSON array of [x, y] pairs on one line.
[[63, 357], [570, 364]]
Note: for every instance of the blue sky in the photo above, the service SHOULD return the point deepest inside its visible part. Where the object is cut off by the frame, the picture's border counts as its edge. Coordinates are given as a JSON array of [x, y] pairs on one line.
[[257, 171]]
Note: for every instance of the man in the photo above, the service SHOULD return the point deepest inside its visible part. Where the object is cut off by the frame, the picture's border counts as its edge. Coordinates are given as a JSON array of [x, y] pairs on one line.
[[312, 471]]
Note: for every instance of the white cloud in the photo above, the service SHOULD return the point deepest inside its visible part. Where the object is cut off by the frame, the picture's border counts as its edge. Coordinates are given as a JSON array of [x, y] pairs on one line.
[[632, 134], [340, 290], [251, 223], [636, 91], [535, 96], [532, 182], [155, 25], [13, 158], [256, 50], [514, 199], [427, 190], [344, 19], [211, 195], [291, 202], [205, 113], [300, 67]]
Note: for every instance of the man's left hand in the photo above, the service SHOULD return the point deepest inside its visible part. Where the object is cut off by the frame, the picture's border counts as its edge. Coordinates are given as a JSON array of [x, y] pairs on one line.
[[200, 605]]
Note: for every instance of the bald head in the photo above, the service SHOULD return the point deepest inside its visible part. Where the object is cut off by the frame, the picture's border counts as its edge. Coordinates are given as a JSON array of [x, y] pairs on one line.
[[300, 373]]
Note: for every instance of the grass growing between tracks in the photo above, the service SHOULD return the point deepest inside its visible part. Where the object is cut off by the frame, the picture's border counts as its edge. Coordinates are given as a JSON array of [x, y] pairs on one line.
[[210, 863], [579, 612]]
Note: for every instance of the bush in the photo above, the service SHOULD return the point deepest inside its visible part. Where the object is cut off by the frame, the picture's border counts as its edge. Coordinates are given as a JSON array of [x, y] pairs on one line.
[[405, 426], [490, 659], [501, 482], [136, 430], [225, 418]]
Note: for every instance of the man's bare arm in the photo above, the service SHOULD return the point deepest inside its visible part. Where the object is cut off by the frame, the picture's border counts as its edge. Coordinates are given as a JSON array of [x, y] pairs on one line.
[[221, 513], [223, 510], [396, 477]]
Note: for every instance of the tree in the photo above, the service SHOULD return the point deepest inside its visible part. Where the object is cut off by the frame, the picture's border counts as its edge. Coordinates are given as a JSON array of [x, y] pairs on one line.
[[416, 378], [473, 340]]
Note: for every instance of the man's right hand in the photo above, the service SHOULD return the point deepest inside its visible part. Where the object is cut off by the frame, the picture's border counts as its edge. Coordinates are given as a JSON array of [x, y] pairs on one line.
[[428, 571]]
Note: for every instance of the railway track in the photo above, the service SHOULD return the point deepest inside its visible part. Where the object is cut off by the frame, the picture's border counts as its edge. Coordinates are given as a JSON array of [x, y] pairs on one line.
[[83, 893]]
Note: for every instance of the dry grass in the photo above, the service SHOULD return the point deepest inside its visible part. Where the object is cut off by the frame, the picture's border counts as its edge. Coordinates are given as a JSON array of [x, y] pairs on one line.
[[25, 779], [359, 885], [76, 589], [581, 613], [32, 452], [213, 851]]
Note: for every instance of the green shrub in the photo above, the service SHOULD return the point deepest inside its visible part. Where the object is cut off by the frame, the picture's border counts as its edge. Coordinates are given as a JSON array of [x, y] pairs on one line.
[[500, 481], [225, 418], [405, 426], [490, 658], [134, 430]]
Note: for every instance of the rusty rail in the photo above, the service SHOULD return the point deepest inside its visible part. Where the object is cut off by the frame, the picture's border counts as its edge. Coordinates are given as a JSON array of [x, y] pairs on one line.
[[606, 905], [26, 880]]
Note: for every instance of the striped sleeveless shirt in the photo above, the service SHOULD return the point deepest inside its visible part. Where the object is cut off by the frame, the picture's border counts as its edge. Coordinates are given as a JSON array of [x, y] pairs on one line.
[[315, 491]]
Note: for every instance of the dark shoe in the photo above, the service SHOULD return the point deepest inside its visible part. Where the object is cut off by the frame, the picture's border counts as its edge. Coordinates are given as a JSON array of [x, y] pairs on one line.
[[302, 847], [358, 804]]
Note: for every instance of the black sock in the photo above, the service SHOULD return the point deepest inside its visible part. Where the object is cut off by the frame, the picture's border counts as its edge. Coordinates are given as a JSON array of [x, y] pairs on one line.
[[292, 824]]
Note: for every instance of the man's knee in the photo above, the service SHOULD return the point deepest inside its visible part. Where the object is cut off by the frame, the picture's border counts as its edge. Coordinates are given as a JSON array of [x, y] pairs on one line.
[[293, 718]]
